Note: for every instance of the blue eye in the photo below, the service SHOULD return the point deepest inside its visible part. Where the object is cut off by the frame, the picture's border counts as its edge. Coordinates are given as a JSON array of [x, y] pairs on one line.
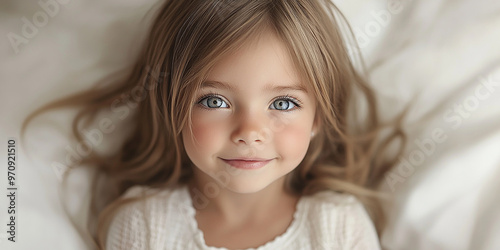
[[284, 104], [213, 102]]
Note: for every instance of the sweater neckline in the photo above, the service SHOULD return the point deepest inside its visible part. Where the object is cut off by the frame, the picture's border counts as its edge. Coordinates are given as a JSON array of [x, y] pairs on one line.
[[279, 241]]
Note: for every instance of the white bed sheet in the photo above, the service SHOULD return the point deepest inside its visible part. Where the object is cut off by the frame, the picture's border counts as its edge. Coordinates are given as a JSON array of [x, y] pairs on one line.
[[446, 54]]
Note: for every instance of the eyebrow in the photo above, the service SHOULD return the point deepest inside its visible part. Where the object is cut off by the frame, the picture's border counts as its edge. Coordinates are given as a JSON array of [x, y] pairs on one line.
[[269, 87]]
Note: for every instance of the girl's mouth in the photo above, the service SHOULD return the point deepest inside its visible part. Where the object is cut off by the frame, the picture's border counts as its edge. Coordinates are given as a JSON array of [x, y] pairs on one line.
[[246, 163]]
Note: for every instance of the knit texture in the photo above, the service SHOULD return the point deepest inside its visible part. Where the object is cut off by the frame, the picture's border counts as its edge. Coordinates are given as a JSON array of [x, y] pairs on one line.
[[325, 220]]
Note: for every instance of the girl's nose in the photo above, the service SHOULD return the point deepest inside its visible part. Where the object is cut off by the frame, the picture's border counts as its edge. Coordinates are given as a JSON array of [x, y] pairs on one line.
[[251, 128]]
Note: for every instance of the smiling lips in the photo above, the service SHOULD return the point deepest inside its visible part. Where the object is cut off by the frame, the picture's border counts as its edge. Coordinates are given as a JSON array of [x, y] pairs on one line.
[[246, 163]]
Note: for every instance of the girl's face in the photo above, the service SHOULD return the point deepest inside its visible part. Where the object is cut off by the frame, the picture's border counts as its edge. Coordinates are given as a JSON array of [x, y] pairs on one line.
[[252, 106]]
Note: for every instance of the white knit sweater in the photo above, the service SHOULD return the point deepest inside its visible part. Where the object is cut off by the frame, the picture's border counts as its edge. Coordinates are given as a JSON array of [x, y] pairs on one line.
[[325, 220]]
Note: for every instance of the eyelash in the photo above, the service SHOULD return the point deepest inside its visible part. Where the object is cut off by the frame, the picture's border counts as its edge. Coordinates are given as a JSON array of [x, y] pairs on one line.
[[295, 101]]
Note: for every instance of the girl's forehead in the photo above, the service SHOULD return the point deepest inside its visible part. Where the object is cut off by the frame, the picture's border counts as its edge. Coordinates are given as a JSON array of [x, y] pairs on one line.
[[265, 56]]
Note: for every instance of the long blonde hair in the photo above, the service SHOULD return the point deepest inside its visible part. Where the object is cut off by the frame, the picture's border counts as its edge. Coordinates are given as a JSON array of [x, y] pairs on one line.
[[185, 40]]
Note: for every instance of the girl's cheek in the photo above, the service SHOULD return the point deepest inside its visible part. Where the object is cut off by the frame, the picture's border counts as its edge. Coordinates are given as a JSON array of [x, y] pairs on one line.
[[208, 129], [291, 143]]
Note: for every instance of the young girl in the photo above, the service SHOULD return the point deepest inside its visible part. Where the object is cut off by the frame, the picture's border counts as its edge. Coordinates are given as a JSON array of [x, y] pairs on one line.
[[242, 134]]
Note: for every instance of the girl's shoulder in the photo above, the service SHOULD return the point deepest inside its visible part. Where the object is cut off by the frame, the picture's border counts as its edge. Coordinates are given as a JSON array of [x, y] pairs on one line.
[[149, 202], [343, 216], [136, 224], [148, 196], [337, 208], [139, 190], [329, 198]]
